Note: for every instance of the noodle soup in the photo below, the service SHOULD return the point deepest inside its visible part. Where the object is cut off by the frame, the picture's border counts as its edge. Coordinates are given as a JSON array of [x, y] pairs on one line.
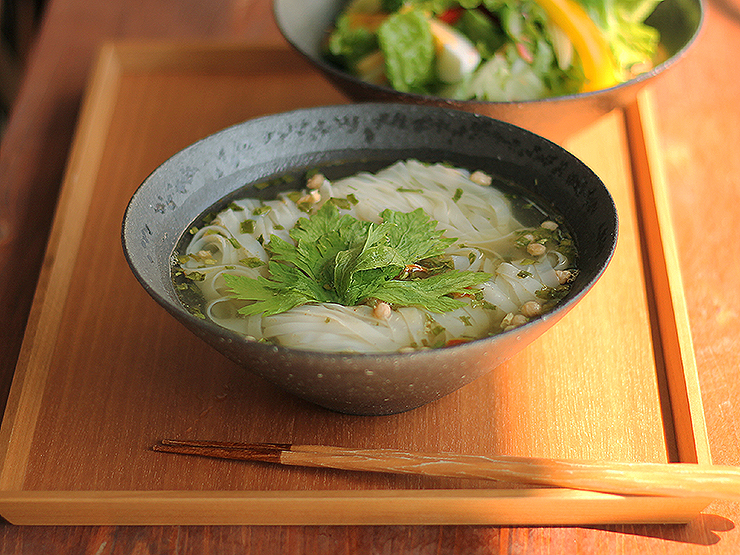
[[413, 256]]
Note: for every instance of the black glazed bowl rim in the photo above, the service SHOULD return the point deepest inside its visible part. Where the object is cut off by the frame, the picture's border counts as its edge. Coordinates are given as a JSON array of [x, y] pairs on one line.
[[379, 91], [132, 234]]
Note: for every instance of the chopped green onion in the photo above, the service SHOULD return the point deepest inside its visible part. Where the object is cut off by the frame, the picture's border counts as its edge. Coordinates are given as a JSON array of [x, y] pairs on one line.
[[247, 226], [251, 262], [262, 210]]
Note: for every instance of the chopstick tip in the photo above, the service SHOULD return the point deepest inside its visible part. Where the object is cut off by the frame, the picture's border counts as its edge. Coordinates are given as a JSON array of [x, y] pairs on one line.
[[257, 452]]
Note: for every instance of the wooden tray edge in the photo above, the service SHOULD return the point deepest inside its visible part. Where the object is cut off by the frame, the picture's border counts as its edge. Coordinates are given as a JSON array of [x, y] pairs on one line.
[[24, 398], [85, 507], [662, 264], [524, 507]]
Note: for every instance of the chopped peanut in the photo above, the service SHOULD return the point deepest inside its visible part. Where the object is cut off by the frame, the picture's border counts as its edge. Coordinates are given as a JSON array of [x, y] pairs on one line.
[[564, 276], [548, 224], [536, 249], [518, 320], [382, 311], [315, 181], [512, 321], [312, 198], [530, 309], [481, 178]]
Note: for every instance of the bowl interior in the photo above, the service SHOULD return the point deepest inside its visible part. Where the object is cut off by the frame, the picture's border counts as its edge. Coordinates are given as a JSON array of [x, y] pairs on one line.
[[345, 139]]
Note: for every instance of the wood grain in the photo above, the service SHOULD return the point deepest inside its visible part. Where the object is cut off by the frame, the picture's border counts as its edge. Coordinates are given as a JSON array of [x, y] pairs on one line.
[[103, 378], [685, 480], [697, 123]]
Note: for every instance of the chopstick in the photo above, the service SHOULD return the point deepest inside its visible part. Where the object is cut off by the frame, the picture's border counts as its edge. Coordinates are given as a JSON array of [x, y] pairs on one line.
[[672, 480]]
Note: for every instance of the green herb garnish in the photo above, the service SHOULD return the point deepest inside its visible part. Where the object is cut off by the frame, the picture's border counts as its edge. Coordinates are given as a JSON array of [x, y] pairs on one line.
[[432, 327], [553, 293], [195, 276], [261, 210], [339, 202], [247, 226], [340, 259], [252, 262]]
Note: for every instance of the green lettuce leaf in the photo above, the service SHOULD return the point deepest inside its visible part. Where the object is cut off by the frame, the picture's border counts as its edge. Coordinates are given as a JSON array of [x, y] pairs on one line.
[[347, 45], [406, 42], [623, 23]]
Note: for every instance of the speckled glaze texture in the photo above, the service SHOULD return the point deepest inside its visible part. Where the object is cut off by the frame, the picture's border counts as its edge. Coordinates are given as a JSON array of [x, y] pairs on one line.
[[342, 140], [304, 25]]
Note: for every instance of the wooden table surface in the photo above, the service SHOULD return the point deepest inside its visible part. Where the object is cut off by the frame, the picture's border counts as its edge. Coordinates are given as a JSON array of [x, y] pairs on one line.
[[698, 120]]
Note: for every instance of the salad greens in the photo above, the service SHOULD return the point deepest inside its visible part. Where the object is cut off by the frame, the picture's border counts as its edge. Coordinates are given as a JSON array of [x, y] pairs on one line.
[[340, 259], [632, 42], [498, 50]]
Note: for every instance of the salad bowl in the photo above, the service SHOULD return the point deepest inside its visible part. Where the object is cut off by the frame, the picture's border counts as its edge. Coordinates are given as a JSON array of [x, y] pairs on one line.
[[305, 25]]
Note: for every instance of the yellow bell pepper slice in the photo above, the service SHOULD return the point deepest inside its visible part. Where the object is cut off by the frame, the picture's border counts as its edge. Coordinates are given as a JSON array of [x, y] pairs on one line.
[[599, 66]]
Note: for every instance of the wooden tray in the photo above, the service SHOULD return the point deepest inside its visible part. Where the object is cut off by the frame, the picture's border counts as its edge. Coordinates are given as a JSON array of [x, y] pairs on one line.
[[104, 372]]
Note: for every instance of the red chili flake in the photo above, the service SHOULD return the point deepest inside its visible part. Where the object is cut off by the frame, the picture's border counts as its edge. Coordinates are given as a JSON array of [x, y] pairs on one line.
[[451, 15], [453, 342]]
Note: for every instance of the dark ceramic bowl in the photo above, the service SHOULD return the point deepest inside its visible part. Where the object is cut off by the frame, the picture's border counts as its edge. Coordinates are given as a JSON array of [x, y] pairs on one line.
[[341, 140], [304, 25]]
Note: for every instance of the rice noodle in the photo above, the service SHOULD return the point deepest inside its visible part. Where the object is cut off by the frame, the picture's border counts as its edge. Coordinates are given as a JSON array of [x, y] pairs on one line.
[[480, 217]]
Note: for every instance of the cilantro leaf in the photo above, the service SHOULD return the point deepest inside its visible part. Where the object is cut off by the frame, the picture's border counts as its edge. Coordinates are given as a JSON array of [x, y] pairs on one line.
[[340, 259], [318, 241], [268, 295], [363, 267], [414, 235], [431, 293]]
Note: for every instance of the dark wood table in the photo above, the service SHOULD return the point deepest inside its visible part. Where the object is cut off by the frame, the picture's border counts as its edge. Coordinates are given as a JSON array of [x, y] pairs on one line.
[[698, 121]]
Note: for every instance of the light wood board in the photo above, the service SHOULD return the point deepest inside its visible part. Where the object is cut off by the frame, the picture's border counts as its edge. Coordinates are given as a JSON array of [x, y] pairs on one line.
[[104, 372]]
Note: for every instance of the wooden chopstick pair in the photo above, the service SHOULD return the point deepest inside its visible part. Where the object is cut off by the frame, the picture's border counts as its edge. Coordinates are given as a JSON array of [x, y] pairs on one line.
[[673, 480]]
